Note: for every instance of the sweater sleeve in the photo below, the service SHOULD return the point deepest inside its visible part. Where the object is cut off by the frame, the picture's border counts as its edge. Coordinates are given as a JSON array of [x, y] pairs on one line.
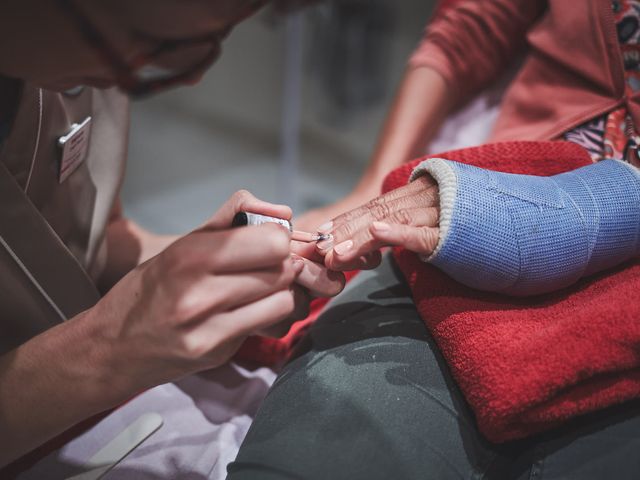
[[473, 41], [526, 235]]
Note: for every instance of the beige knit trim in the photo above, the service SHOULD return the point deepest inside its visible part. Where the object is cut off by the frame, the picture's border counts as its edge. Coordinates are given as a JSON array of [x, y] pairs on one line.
[[447, 181]]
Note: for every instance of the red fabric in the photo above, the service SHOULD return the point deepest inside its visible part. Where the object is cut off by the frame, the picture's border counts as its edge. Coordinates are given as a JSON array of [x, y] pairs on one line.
[[525, 365], [528, 365]]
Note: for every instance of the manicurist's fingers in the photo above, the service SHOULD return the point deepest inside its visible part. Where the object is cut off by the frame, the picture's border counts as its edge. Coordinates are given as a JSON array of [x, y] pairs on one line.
[[220, 334], [259, 315], [302, 300], [319, 280], [235, 250], [230, 291], [306, 250]]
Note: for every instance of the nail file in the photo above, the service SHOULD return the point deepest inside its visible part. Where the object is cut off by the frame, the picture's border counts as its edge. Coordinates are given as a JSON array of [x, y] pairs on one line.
[[118, 448]]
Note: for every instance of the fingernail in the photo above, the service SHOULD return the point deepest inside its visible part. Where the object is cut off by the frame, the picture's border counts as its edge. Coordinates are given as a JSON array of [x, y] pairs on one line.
[[381, 226], [325, 244], [325, 227], [298, 263], [324, 237], [343, 248]]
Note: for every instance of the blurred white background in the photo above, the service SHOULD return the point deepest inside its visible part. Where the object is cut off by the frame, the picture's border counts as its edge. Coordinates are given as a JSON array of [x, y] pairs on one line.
[[245, 126]]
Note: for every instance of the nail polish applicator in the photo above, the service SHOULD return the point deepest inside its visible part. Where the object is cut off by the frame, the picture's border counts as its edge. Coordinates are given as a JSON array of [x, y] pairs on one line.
[[246, 218]]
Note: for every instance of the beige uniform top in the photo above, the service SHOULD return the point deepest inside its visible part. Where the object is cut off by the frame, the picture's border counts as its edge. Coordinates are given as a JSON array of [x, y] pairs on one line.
[[76, 209]]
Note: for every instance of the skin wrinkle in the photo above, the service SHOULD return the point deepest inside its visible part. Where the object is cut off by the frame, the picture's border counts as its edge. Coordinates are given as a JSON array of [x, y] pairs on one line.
[[414, 205]]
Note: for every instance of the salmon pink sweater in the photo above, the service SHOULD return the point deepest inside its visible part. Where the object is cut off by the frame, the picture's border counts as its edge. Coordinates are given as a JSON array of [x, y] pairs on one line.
[[573, 70]]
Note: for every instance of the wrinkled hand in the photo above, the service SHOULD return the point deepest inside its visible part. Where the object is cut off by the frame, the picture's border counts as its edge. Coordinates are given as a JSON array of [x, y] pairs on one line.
[[367, 190], [407, 217]]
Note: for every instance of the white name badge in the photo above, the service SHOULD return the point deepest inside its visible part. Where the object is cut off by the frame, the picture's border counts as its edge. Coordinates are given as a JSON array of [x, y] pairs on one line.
[[74, 147]]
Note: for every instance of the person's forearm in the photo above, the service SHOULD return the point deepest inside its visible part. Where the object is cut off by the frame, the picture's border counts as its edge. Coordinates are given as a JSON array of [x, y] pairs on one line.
[[52, 382], [422, 102]]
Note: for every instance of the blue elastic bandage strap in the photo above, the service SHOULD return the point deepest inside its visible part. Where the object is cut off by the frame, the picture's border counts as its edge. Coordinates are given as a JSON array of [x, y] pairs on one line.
[[525, 235]]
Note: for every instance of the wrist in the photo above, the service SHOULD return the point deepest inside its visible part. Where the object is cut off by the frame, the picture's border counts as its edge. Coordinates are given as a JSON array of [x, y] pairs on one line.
[[153, 244], [100, 374], [53, 381], [129, 245]]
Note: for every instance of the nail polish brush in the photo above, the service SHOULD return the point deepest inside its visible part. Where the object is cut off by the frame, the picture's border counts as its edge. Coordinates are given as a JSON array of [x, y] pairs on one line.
[[248, 218]]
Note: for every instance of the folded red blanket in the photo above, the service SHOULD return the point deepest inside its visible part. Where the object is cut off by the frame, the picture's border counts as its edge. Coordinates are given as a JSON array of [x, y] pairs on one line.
[[528, 364]]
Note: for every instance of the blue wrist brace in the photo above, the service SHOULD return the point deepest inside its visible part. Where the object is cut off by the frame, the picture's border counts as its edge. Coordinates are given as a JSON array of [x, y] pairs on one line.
[[525, 235]]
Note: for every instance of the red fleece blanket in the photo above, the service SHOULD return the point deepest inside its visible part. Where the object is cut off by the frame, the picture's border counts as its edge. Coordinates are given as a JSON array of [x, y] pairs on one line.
[[528, 365], [525, 365]]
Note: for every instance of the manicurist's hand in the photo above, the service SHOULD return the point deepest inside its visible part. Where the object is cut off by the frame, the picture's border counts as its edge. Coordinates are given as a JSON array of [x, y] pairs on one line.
[[190, 307], [315, 280], [407, 217], [187, 308], [315, 277]]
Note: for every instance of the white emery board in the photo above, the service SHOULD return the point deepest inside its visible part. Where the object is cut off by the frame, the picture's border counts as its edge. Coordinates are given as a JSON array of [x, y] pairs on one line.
[[118, 448]]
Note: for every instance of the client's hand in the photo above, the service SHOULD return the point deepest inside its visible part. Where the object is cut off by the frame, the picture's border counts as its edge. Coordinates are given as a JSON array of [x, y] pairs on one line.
[[406, 217]]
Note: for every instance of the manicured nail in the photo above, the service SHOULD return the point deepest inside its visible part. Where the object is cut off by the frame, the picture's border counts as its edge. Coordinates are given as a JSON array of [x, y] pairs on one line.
[[325, 244], [381, 226], [343, 248], [325, 227]]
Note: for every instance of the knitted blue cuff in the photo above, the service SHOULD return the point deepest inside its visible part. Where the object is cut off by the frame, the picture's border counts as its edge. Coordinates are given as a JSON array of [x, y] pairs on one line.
[[525, 235]]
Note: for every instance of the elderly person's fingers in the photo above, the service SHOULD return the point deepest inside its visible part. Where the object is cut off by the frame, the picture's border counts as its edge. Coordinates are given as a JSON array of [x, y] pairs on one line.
[[422, 240], [422, 192], [350, 245]]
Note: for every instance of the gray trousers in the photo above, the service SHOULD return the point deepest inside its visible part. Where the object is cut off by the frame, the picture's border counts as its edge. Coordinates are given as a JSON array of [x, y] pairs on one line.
[[368, 396]]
